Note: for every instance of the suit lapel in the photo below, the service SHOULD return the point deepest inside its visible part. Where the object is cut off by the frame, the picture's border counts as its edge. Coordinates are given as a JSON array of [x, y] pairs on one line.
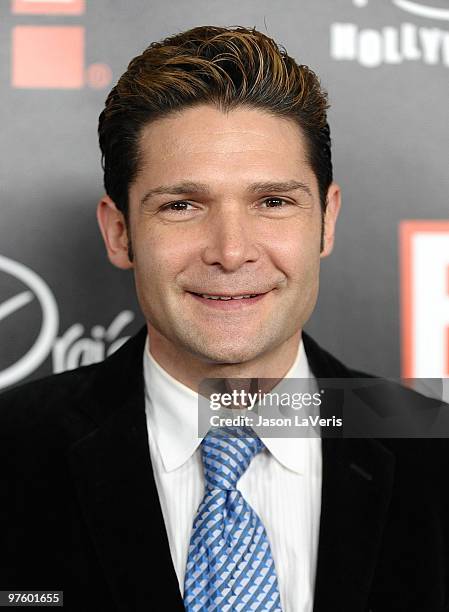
[[356, 489], [113, 475]]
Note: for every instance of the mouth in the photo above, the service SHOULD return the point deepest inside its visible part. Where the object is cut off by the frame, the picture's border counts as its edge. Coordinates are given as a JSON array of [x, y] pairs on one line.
[[228, 301], [219, 296]]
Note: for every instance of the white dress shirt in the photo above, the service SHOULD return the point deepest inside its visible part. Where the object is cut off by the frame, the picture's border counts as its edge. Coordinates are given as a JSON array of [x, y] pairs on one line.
[[282, 482]]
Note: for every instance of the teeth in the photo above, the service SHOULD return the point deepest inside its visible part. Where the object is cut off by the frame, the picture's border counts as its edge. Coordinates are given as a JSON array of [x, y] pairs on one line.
[[217, 297]]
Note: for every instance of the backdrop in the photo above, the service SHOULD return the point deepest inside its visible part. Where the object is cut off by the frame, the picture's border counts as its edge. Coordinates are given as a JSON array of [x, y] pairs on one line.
[[384, 299]]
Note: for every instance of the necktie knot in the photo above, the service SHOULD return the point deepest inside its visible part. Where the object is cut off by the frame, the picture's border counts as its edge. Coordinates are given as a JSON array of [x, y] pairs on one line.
[[227, 453]]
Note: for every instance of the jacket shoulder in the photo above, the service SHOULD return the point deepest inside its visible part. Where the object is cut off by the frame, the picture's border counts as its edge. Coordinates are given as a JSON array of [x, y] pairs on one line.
[[38, 400], [408, 423], [88, 392]]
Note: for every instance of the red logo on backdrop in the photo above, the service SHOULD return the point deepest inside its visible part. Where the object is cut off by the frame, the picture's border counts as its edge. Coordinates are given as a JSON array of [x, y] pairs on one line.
[[52, 56], [424, 251], [48, 56], [49, 7]]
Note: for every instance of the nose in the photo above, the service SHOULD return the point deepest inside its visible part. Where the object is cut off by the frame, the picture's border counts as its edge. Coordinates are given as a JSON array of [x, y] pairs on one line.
[[231, 238]]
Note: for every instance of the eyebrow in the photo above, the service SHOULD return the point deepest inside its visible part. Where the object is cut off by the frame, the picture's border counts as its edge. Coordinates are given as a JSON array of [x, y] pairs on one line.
[[189, 187]]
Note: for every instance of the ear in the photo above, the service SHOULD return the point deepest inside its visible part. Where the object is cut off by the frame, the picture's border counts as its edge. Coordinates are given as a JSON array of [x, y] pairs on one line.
[[115, 232], [330, 218]]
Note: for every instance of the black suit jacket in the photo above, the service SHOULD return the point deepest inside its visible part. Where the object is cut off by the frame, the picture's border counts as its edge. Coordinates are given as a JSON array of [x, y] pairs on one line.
[[80, 510]]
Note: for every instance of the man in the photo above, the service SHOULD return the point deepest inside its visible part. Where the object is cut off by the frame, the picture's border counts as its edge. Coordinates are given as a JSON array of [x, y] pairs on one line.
[[220, 198]]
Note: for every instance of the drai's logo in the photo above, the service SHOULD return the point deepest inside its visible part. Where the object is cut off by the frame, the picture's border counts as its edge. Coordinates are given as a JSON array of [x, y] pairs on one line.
[[418, 41], [71, 348]]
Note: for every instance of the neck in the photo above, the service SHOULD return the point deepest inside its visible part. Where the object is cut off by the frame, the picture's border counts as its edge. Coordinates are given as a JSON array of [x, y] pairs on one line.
[[190, 370]]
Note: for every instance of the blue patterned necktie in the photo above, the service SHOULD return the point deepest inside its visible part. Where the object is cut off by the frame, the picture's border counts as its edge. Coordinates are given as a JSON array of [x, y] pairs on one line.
[[229, 565]]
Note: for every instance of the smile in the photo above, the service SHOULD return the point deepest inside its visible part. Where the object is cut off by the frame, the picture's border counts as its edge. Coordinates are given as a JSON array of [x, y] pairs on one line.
[[227, 297], [228, 301]]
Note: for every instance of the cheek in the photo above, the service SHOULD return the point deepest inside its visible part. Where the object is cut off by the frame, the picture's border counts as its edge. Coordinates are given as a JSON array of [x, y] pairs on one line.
[[159, 256], [298, 255]]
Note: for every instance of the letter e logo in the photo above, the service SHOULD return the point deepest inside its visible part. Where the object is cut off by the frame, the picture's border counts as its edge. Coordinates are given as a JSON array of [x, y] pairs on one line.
[[424, 247]]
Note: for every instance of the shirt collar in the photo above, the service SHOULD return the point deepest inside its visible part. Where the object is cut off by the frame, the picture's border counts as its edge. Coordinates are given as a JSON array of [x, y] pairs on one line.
[[172, 414]]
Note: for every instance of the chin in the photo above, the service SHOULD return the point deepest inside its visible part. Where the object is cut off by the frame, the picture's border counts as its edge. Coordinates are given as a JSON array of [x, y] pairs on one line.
[[229, 354]]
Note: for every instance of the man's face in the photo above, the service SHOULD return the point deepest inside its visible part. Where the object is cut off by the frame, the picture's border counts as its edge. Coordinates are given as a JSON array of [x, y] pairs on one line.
[[225, 205]]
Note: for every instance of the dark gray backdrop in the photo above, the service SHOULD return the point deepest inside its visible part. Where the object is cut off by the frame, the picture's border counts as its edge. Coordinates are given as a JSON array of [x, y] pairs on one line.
[[390, 130]]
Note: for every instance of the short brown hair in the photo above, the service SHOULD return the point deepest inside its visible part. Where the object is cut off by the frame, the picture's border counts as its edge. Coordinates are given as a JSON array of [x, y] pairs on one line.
[[227, 67]]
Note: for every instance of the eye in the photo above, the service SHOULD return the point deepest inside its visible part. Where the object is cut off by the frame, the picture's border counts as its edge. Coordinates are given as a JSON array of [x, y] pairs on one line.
[[180, 206], [275, 202]]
